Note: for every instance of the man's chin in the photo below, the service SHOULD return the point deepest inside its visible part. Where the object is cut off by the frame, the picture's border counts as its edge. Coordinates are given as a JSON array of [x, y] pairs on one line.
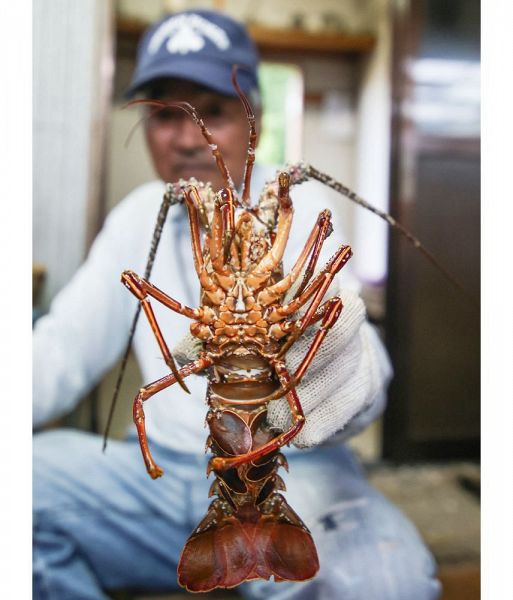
[[204, 174]]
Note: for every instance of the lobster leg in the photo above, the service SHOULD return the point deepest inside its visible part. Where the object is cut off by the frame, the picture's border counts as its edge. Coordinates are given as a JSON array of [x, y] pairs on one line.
[[332, 309], [325, 232], [141, 288], [212, 289], [168, 357], [268, 263], [222, 230], [322, 280], [147, 392], [133, 284], [333, 266], [192, 202], [223, 224], [315, 241], [306, 320]]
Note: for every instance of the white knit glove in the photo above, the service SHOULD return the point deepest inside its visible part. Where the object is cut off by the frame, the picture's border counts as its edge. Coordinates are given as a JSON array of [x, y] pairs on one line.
[[344, 387], [347, 377]]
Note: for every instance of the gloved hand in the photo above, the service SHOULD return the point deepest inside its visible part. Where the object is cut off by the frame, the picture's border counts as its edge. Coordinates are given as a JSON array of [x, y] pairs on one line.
[[344, 388], [347, 377]]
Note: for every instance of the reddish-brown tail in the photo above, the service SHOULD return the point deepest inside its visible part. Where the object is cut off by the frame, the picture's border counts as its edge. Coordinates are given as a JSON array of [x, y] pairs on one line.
[[226, 550]]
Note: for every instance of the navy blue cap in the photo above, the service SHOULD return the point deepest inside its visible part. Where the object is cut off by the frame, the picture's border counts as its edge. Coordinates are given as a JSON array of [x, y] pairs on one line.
[[200, 46]]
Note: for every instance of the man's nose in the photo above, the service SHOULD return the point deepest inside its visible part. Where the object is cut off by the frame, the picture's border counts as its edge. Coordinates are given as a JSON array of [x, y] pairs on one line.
[[189, 137]]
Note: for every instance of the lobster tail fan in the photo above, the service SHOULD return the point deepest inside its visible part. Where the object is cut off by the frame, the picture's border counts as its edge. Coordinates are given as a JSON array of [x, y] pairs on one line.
[[287, 552], [226, 550], [219, 557]]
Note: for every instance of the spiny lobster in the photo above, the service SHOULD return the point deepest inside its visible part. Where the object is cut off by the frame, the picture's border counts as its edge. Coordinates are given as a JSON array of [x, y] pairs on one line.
[[247, 319]]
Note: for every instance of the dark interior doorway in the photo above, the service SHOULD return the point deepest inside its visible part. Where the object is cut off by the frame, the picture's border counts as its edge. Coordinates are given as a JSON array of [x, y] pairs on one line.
[[432, 330]]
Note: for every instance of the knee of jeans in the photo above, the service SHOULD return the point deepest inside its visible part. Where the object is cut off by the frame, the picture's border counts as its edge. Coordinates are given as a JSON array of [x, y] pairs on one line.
[[417, 576], [59, 446], [382, 569], [375, 582], [54, 454], [54, 440], [368, 550], [386, 575]]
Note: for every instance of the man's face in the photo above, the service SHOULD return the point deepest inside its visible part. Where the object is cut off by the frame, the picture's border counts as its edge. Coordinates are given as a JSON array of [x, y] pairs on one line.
[[175, 141]]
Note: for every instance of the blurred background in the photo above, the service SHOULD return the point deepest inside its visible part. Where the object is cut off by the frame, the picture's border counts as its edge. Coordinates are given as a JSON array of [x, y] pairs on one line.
[[385, 96]]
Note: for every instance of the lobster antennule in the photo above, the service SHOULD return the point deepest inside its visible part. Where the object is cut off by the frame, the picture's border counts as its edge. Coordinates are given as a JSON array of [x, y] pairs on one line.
[[154, 112], [250, 158], [221, 165], [196, 117]]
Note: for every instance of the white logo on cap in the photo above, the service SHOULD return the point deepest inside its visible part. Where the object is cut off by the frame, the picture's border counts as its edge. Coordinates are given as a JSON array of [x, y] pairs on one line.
[[186, 33]]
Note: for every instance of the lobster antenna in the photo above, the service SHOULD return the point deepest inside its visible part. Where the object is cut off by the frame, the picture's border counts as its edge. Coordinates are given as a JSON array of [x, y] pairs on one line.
[[193, 113], [312, 172], [168, 200], [248, 169], [142, 119]]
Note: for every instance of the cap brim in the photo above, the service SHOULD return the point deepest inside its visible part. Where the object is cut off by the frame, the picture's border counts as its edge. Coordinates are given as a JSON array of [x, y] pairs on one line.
[[213, 75]]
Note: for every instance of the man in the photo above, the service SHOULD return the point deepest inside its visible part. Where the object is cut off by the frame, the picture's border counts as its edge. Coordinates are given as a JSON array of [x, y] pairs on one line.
[[99, 521]]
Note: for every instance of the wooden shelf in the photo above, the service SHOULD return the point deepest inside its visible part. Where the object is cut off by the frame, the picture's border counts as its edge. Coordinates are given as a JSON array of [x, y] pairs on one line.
[[298, 40], [132, 28], [271, 40]]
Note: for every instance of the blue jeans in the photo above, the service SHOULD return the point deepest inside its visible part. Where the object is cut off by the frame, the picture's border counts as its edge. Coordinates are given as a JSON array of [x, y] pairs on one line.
[[101, 523]]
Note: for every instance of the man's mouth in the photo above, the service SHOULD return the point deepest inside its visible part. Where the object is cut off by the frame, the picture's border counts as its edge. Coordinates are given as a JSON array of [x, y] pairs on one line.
[[194, 167]]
